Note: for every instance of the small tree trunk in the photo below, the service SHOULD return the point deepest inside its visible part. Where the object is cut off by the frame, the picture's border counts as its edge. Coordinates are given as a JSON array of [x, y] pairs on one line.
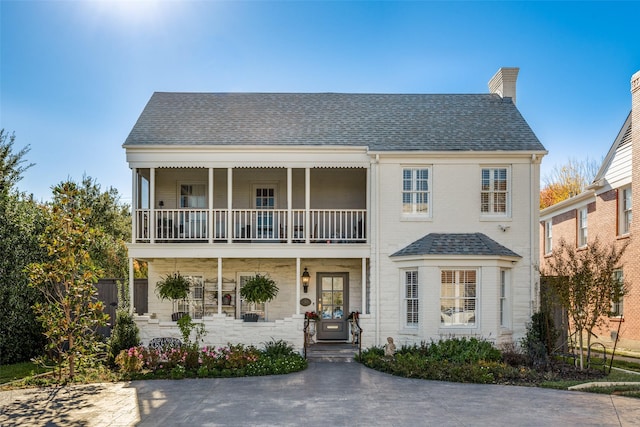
[[580, 349]]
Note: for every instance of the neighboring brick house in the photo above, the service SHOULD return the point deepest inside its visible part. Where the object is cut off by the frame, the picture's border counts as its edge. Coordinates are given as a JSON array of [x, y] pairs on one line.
[[418, 211], [605, 210]]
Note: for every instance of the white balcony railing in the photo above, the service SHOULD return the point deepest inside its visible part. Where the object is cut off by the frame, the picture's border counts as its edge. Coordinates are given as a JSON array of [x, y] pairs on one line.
[[251, 225]]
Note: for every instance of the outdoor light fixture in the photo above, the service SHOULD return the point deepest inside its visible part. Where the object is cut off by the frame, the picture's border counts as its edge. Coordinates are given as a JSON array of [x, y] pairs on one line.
[[306, 278]]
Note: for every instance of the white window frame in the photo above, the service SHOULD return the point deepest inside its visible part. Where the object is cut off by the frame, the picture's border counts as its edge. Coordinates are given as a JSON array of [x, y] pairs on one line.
[[617, 308], [411, 299], [411, 209], [625, 213], [194, 303], [583, 223], [505, 291], [489, 188], [455, 309], [548, 236]]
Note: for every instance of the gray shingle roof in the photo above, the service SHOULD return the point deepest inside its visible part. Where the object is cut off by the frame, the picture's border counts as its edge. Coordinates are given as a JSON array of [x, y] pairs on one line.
[[455, 244], [383, 122]]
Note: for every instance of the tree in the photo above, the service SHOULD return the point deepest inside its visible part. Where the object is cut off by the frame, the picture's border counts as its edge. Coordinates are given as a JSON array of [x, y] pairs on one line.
[[70, 312], [107, 215], [584, 284], [21, 221], [567, 180], [11, 163]]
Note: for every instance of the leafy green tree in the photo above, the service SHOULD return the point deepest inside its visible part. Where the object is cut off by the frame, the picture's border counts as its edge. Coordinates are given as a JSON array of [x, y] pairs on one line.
[[107, 215], [70, 312], [21, 221], [584, 284]]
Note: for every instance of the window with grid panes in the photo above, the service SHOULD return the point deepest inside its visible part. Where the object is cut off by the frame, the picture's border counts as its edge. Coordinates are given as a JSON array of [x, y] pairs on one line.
[[582, 227], [416, 191], [617, 299], [411, 298], [625, 215], [494, 196], [458, 297]]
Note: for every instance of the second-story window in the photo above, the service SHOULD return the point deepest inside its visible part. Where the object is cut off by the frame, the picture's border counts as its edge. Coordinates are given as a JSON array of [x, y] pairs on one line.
[[494, 195], [625, 212], [582, 227], [416, 191]]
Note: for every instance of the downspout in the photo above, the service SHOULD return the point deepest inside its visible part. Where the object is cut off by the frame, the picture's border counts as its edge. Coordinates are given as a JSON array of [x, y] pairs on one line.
[[534, 246], [377, 243]]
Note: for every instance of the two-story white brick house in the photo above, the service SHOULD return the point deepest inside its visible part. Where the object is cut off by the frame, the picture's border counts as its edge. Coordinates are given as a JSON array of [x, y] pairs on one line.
[[418, 211]]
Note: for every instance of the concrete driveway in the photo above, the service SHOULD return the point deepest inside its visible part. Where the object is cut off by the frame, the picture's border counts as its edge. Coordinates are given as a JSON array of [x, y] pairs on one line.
[[326, 394]]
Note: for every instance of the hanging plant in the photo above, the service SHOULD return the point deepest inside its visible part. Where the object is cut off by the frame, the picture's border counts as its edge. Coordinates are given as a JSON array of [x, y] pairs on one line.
[[174, 286], [259, 289]]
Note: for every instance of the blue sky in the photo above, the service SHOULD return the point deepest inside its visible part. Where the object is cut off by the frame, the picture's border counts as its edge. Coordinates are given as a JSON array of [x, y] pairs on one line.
[[75, 75]]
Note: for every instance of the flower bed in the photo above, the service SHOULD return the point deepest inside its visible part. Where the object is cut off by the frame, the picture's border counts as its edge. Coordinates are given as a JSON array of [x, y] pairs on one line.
[[207, 362]]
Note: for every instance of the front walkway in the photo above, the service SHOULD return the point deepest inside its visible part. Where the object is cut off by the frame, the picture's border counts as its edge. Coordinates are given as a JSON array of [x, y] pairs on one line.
[[337, 394]]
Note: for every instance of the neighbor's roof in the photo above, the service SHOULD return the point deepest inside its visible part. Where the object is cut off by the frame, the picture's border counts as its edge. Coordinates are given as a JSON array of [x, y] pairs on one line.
[[382, 122], [455, 244]]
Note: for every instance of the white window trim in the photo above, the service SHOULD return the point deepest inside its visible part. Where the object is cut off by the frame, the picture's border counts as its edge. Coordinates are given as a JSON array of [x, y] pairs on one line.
[[196, 311], [504, 305], [405, 299], [491, 214], [548, 236], [583, 224], [416, 216], [621, 302], [456, 270], [623, 227]]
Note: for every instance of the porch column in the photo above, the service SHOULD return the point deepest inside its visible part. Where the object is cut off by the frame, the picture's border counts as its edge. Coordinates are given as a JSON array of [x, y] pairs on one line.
[[364, 285], [297, 302], [219, 285], [131, 286], [229, 205], [134, 204], [289, 226], [307, 204], [211, 216], [152, 205]]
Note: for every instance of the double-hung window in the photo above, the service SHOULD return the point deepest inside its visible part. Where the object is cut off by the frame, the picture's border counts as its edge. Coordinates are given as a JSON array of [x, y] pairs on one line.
[[617, 294], [625, 212], [411, 302], [416, 191], [494, 195], [504, 301], [458, 297], [548, 237], [582, 227]]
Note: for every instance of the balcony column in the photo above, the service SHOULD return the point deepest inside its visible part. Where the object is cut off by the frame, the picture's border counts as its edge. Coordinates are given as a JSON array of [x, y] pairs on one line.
[[307, 204], [229, 205], [152, 205], [211, 220], [219, 285], [364, 285], [297, 286], [132, 285], [135, 205], [289, 227]]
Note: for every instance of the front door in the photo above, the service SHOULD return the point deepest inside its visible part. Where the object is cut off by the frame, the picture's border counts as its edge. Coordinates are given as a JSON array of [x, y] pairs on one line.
[[333, 294]]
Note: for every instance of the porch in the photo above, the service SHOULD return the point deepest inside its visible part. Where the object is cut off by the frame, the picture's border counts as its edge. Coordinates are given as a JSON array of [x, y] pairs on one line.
[[250, 225], [255, 204]]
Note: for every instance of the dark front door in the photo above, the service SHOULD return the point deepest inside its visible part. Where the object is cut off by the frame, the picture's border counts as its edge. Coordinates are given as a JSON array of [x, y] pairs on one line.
[[333, 294]]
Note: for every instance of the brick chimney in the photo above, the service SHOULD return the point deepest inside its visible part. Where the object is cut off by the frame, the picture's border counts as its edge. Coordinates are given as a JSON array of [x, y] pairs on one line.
[[504, 82]]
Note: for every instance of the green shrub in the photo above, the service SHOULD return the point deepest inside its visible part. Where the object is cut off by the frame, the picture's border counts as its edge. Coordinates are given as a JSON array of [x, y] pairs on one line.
[[277, 348], [125, 335]]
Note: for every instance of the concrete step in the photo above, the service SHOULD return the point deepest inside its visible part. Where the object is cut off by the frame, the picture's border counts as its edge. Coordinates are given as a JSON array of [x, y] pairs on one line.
[[332, 352]]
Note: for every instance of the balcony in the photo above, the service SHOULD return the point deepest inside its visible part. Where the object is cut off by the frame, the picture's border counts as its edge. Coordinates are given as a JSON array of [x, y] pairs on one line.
[[295, 226]]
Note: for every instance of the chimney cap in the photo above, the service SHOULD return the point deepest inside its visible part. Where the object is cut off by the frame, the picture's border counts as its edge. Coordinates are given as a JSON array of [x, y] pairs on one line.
[[503, 82]]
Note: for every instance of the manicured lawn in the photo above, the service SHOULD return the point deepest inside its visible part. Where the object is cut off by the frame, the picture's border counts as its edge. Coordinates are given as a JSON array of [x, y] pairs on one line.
[[18, 371]]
